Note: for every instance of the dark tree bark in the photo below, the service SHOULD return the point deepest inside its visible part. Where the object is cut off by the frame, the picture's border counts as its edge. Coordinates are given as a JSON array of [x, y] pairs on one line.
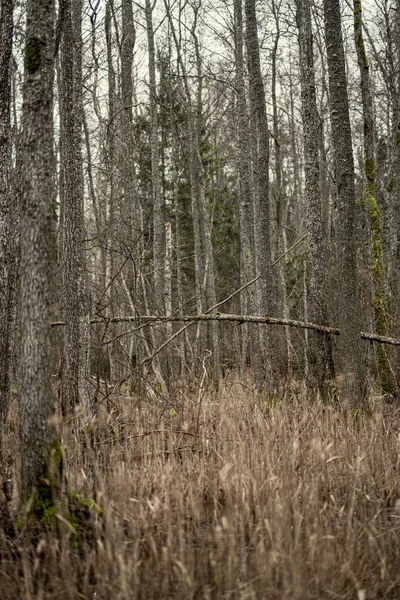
[[258, 113], [393, 186], [247, 263], [320, 358], [37, 231], [108, 225], [158, 216], [6, 233], [130, 223], [77, 333], [159, 239], [280, 200], [349, 310], [380, 308]]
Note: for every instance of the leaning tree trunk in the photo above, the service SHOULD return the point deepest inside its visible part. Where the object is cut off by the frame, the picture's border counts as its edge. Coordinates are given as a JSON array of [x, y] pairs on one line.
[[77, 333], [6, 254], [37, 231], [263, 226], [320, 358], [349, 309]]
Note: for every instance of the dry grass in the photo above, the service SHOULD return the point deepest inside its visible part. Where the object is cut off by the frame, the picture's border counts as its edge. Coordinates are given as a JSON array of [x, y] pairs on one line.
[[241, 500]]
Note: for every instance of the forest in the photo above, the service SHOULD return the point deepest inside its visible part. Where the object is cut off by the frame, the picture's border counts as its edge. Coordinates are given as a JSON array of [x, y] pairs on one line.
[[199, 299]]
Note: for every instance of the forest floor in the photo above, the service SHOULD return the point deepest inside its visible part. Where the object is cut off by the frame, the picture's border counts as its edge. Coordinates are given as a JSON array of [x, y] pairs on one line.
[[220, 495]]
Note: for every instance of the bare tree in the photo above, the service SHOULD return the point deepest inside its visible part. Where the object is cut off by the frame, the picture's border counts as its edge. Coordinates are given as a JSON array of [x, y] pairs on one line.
[[247, 265], [393, 186], [204, 257], [158, 217], [350, 357], [77, 334], [37, 232], [258, 114], [320, 357], [380, 312], [6, 271], [280, 200]]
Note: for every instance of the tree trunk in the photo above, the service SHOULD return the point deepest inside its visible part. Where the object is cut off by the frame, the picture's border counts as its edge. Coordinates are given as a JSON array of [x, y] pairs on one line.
[[282, 303], [108, 226], [204, 258], [393, 186], [263, 227], [158, 217], [37, 230], [6, 233], [159, 255], [380, 312], [77, 332], [349, 309], [247, 266], [320, 346], [130, 222], [200, 186]]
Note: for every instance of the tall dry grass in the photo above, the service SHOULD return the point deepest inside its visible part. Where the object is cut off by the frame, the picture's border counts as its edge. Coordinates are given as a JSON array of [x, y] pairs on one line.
[[223, 495]]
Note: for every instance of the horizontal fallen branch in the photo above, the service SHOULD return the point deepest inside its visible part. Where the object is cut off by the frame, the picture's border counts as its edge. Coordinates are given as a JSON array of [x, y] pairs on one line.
[[372, 337]]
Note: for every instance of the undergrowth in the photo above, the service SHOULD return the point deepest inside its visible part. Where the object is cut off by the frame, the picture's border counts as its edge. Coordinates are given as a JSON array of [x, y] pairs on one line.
[[244, 500]]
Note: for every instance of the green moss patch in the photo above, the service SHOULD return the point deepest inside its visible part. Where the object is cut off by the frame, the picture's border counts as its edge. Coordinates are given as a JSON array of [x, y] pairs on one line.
[[33, 55]]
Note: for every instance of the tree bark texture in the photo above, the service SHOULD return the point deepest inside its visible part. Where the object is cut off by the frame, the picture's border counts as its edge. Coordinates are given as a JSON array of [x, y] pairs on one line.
[[159, 238], [37, 224], [380, 307], [280, 203], [349, 310], [263, 224], [129, 210], [77, 334], [320, 358], [373, 337], [108, 225], [6, 233], [393, 185], [157, 204], [247, 266]]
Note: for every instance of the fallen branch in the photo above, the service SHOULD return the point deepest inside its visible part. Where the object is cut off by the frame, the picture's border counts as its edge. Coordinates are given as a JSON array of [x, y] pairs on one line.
[[372, 337]]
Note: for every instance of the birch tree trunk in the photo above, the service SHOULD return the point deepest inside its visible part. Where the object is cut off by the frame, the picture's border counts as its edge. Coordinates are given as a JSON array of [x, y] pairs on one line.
[[320, 358], [6, 254], [77, 331], [349, 310], [37, 231]]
